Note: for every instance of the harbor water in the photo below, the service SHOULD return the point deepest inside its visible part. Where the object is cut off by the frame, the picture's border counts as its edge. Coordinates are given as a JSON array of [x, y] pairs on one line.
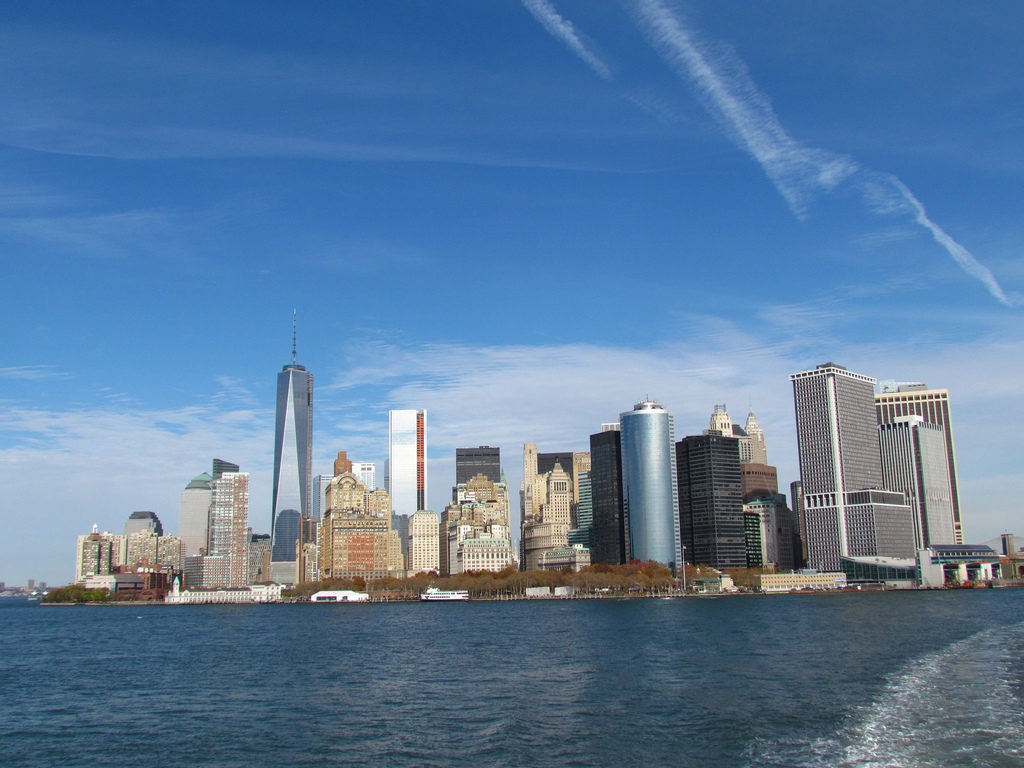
[[872, 679]]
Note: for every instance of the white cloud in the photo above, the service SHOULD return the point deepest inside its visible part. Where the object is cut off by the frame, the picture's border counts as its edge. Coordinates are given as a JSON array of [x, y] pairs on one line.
[[32, 372]]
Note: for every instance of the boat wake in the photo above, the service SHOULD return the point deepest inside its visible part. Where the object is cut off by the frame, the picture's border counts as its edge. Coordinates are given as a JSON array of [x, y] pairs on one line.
[[959, 706]]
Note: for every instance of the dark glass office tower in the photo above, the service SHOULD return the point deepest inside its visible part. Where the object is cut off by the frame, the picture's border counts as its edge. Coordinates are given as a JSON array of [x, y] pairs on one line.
[[711, 501], [470, 462], [220, 467], [609, 540]]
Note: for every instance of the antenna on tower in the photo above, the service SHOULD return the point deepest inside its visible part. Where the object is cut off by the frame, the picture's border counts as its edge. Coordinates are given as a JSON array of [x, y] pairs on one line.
[[293, 336]]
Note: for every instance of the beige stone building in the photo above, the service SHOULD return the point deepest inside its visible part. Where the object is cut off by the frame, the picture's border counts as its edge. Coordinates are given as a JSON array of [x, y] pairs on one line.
[[378, 503], [486, 551], [576, 556], [549, 528], [424, 542], [346, 494]]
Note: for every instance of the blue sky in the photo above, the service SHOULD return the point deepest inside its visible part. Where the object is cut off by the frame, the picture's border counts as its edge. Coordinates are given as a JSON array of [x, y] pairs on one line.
[[521, 217]]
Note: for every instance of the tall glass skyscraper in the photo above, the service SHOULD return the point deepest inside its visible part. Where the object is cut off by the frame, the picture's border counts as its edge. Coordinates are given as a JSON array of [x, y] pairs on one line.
[[293, 468], [407, 461], [649, 491]]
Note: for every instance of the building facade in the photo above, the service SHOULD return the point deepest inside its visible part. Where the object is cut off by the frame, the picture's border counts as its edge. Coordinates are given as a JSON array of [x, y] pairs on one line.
[[914, 462], [229, 523], [293, 468], [649, 491], [407, 461], [366, 471], [483, 460], [194, 515], [609, 531], [933, 406], [846, 510], [424, 542], [710, 501]]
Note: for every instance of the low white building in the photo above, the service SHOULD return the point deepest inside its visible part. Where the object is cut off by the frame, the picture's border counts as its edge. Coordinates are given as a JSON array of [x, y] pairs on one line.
[[255, 593], [338, 596]]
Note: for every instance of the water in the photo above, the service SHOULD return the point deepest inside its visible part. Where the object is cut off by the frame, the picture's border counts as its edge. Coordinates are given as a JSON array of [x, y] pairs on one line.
[[894, 679]]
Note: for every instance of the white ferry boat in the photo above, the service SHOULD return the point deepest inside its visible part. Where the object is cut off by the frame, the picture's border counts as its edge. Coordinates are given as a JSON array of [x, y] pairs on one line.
[[433, 593]]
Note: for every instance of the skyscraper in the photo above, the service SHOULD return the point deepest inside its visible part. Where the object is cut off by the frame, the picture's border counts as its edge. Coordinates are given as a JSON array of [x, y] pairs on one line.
[[220, 467], [407, 461], [758, 451], [846, 510], [914, 463], [366, 471], [649, 491], [933, 406], [711, 501], [194, 515], [293, 467], [609, 533], [229, 521], [143, 521], [320, 485], [484, 460]]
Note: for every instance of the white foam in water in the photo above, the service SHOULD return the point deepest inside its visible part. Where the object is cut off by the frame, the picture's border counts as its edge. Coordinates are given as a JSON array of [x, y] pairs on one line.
[[955, 707]]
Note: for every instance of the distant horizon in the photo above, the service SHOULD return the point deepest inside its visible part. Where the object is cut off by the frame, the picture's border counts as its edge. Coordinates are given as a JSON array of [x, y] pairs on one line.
[[520, 217]]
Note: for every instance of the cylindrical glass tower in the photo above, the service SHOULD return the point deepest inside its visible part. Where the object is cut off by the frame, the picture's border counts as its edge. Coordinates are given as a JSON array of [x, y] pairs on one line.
[[649, 491]]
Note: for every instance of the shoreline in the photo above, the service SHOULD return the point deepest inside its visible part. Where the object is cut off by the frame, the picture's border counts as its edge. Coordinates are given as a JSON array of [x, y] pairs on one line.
[[525, 599]]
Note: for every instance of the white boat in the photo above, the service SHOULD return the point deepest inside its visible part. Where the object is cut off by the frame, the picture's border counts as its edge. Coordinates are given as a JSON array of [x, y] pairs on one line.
[[433, 593]]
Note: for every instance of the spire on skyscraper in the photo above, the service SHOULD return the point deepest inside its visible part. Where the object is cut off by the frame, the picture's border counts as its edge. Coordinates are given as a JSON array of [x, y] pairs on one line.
[[294, 313]]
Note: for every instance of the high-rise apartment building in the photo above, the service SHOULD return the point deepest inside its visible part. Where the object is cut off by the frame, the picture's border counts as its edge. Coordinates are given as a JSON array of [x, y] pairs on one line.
[[229, 522], [293, 467], [99, 553], [649, 490], [933, 406], [483, 460], [407, 461], [609, 533], [846, 510], [711, 501], [914, 463], [194, 515]]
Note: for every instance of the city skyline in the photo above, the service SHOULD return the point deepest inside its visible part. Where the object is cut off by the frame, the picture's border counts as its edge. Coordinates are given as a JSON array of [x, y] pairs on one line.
[[558, 162]]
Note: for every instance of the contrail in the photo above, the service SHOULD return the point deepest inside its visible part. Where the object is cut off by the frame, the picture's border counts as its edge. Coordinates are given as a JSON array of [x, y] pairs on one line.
[[562, 29], [729, 94], [799, 173]]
